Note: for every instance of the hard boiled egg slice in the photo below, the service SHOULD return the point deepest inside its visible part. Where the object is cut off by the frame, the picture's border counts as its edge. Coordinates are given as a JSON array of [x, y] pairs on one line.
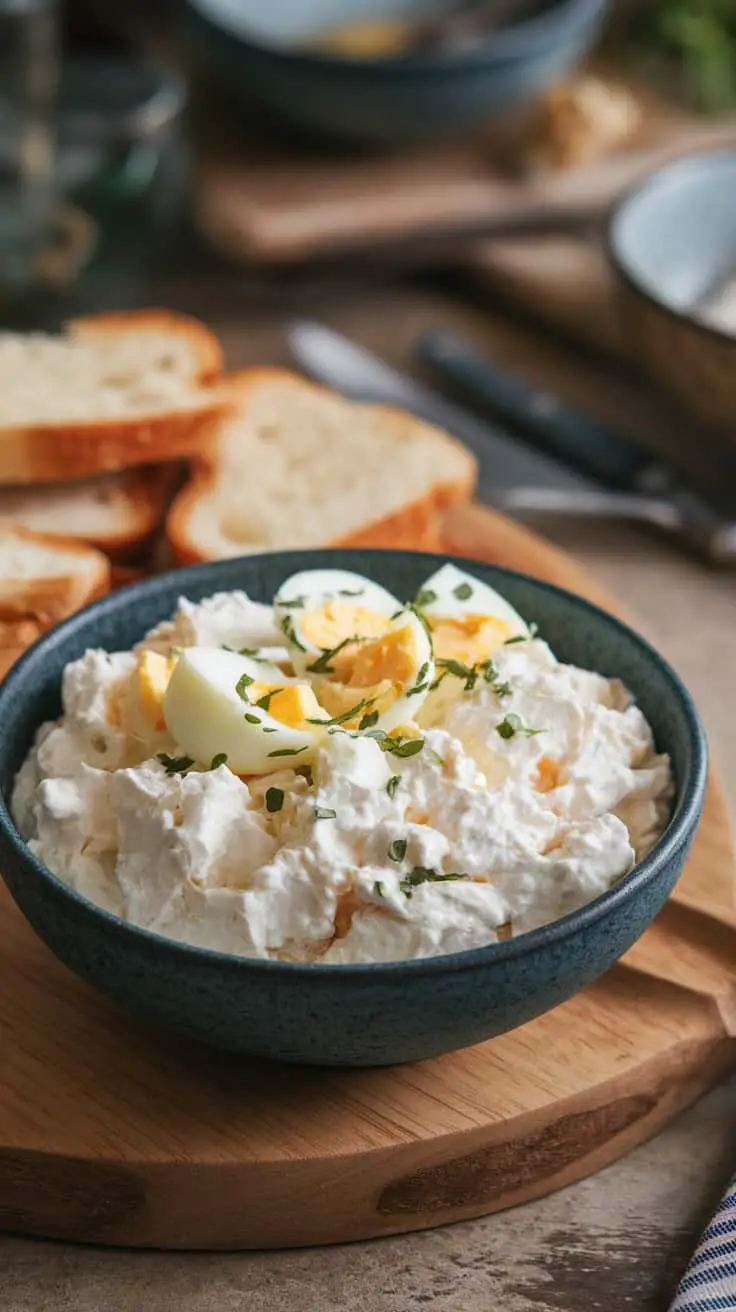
[[468, 620], [318, 609], [376, 682], [219, 703]]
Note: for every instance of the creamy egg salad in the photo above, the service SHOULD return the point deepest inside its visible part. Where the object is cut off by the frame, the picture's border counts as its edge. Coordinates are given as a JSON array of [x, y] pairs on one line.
[[342, 777]]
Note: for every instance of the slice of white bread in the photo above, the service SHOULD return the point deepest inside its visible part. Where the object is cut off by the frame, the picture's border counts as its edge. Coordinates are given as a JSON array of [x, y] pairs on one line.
[[113, 390], [300, 466], [116, 512], [43, 580]]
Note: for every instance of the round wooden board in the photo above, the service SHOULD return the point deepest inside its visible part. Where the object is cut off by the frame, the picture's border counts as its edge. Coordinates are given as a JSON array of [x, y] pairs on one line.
[[116, 1133]]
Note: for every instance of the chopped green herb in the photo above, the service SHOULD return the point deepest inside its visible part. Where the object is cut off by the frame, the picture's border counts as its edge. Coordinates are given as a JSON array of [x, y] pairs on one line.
[[324, 813], [413, 607], [175, 764], [217, 761], [379, 889], [436, 756], [347, 715], [462, 591], [266, 729], [247, 651], [513, 724], [288, 751], [345, 592], [502, 689], [392, 785], [274, 799], [421, 682], [523, 637], [421, 875], [322, 663], [244, 682], [397, 849], [251, 718], [264, 702], [396, 613], [297, 603], [488, 670], [289, 632], [425, 598], [410, 747], [369, 720], [461, 671]]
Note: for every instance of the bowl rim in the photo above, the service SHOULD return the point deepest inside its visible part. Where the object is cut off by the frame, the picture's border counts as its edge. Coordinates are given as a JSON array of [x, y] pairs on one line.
[[680, 827], [693, 162], [509, 43]]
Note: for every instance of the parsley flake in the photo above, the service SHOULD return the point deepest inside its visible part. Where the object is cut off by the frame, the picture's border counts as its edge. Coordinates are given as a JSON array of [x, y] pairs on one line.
[[379, 889], [217, 761], [296, 603], [322, 663], [463, 591], [397, 849], [264, 702], [289, 632], [274, 799], [347, 715], [346, 592], [251, 718], [175, 764], [369, 720], [392, 785], [288, 751], [324, 813], [461, 671], [513, 724], [244, 682], [425, 597], [422, 875]]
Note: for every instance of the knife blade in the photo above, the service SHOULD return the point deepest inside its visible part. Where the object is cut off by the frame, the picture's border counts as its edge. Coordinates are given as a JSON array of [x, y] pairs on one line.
[[631, 481], [512, 476]]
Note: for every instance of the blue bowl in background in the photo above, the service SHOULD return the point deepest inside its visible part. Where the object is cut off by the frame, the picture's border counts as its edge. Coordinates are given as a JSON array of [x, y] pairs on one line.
[[672, 244], [361, 1015], [260, 52]]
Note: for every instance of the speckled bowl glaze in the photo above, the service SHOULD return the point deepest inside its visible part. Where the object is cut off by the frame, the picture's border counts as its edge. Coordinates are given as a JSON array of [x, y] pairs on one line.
[[259, 51], [671, 241], [348, 1015]]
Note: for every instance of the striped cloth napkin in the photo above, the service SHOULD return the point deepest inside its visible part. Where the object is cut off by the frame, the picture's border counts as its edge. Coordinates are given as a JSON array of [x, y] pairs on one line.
[[709, 1284]]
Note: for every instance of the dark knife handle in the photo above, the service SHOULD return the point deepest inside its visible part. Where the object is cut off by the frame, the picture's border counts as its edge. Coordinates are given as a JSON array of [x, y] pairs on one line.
[[546, 421]]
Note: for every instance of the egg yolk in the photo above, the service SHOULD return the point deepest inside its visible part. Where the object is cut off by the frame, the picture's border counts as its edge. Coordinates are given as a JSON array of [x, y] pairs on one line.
[[291, 703], [153, 674], [379, 669], [337, 620], [467, 638]]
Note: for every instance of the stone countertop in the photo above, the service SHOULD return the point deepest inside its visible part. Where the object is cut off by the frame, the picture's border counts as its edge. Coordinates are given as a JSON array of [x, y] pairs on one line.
[[616, 1242]]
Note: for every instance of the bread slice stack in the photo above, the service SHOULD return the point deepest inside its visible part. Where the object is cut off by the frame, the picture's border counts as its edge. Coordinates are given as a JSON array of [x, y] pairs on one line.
[[100, 426], [92, 424]]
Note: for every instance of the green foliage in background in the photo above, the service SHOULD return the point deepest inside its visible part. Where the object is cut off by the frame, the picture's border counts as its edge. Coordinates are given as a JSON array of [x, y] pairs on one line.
[[702, 35]]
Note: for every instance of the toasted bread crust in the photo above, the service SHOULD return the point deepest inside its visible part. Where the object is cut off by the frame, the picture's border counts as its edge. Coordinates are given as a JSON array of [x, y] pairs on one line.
[[59, 452], [65, 452], [45, 601]]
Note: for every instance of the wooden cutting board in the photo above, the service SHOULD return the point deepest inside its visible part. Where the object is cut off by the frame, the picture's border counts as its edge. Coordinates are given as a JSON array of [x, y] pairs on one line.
[[113, 1132]]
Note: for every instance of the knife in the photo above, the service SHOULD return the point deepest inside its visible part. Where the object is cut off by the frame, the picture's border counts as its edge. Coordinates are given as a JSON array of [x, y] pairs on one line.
[[512, 476], [639, 485]]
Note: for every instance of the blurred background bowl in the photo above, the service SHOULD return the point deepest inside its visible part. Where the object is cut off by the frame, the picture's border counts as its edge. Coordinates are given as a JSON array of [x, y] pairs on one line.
[[672, 245], [265, 54]]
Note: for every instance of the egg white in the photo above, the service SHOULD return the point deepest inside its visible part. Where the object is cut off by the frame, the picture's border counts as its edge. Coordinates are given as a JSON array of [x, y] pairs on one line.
[[482, 600], [205, 714]]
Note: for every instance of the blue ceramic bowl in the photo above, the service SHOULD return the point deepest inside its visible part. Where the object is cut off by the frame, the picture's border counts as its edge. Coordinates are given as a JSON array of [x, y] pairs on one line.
[[348, 1015], [259, 50], [672, 243]]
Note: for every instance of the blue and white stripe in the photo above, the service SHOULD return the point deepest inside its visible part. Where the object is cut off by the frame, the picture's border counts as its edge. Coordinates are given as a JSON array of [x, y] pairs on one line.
[[709, 1284]]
